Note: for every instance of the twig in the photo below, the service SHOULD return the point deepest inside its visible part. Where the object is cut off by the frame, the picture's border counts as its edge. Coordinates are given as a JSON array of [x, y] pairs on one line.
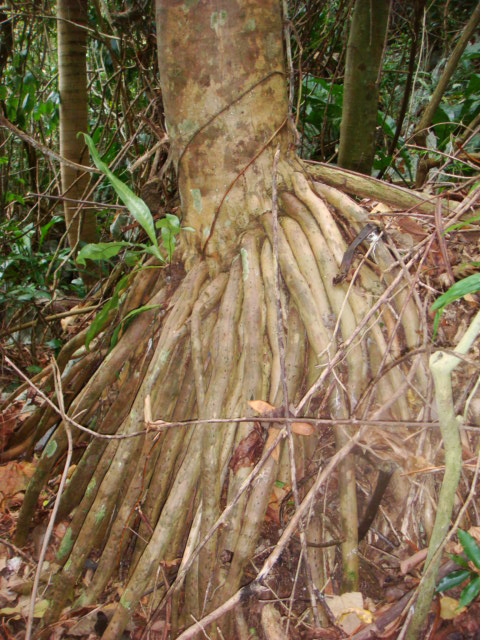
[[58, 389], [56, 316], [442, 366], [441, 241], [42, 148], [17, 550]]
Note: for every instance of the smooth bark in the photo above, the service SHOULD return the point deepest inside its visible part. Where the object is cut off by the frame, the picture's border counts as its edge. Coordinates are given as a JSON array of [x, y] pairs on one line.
[[72, 80], [360, 95]]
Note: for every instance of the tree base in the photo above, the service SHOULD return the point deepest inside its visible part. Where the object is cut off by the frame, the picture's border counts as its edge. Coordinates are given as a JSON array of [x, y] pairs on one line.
[[156, 496]]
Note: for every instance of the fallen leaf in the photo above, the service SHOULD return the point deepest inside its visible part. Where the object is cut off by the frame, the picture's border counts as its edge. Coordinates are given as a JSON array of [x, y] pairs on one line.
[[449, 608], [261, 407], [14, 477], [22, 609], [248, 451], [348, 610]]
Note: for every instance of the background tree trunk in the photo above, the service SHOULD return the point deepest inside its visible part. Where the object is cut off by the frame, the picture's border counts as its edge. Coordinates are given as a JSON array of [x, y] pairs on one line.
[[72, 80], [362, 75]]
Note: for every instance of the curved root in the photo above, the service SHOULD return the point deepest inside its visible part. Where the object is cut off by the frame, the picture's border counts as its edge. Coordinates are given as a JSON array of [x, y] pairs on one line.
[[217, 349]]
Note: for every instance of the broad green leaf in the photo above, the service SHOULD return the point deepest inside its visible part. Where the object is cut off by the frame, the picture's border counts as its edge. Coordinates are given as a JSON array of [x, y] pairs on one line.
[[459, 560], [168, 241], [100, 251], [131, 314], [453, 579], [470, 284], [470, 592], [101, 318], [46, 227], [134, 204], [471, 548]]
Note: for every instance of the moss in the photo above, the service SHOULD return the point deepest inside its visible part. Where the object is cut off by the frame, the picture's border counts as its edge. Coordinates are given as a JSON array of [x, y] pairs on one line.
[[245, 267], [51, 448], [197, 199], [218, 19], [91, 487], [65, 545], [99, 516]]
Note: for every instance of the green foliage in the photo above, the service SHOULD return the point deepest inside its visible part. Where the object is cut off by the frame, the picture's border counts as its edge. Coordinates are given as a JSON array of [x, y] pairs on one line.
[[137, 207], [470, 284], [100, 251], [127, 319], [102, 318], [25, 261], [455, 578], [170, 225], [321, 112]]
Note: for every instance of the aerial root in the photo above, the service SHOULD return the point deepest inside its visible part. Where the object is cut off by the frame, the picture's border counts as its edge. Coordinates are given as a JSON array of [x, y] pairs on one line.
[[216, 350]]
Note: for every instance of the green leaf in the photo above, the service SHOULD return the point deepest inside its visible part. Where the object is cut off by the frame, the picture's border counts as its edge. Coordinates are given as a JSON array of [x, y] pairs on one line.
[[471, 548], [462, 224], [100, 251], [46, 227], [33, 369], [100, 321], [470, 592], [131, 314], [134, 204], [470, 284], [101, 318], [459, 560], [453, 579], [168, 241]]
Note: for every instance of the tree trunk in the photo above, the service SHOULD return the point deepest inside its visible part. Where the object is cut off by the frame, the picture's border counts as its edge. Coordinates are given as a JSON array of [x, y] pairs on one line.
[[72, 80], [234, 329], [362, 76]]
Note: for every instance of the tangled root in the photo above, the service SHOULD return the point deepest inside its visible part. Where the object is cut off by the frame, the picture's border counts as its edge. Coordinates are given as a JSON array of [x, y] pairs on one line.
[[205, 352]]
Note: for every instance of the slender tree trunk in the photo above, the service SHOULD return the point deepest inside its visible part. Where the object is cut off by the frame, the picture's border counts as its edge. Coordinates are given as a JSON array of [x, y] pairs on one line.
[[362, 74], [72, 71]]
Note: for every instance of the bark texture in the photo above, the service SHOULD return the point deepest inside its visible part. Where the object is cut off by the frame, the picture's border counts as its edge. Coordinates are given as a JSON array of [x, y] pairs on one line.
[[224, 91], [72, 80], [362, 75]]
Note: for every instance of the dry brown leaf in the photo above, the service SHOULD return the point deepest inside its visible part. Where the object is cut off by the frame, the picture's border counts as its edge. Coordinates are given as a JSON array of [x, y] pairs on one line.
[[272, 434], [8, 420], [348, 610], [302, 428], [14, 477], [261, 407], [475, 533], [248, 450]]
